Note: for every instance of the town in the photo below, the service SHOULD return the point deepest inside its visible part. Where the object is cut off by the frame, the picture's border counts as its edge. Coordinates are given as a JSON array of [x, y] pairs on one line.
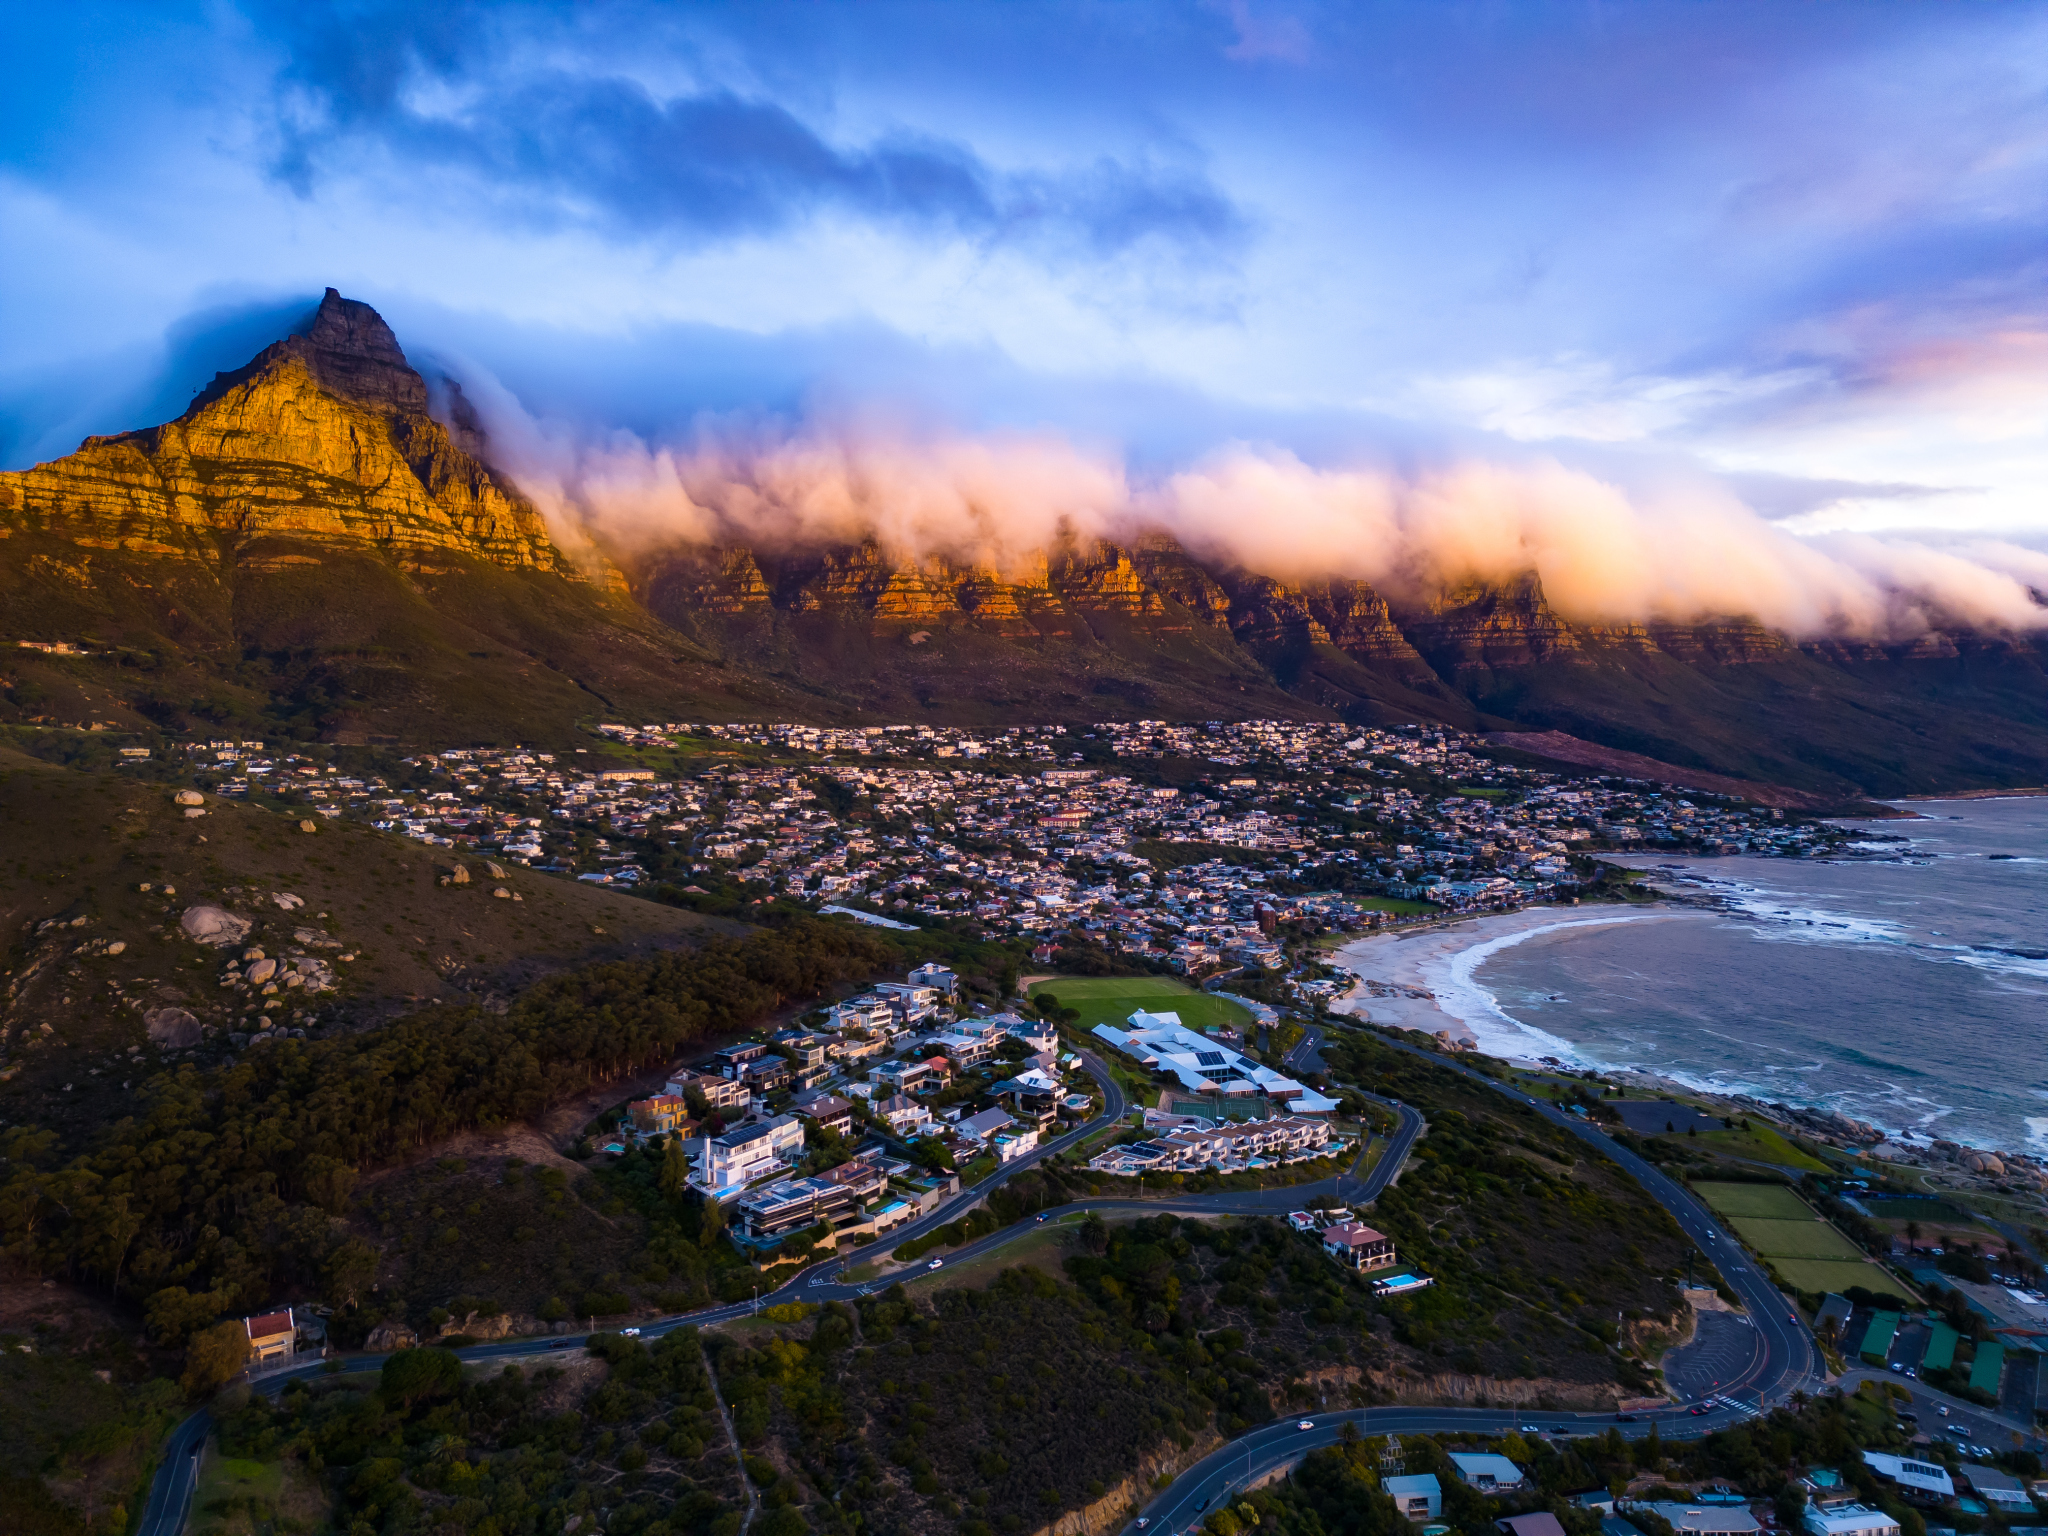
[[1195, 847]]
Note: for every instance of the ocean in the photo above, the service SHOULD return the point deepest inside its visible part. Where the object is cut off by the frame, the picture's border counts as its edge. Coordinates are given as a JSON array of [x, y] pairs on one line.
[[1908, 988]]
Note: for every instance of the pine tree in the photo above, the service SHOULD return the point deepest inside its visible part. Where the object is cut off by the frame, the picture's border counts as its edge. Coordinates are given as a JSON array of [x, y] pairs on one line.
[[675, 1169]]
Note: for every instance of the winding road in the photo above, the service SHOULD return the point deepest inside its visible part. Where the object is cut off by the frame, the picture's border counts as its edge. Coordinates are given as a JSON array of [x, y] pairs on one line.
[[1781, 1362]]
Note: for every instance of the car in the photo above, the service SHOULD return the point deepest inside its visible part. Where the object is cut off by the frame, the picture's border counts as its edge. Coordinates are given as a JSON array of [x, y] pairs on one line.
[[1791, 1317], [1041, 1221], [1938, 1408], [1305, 1424], [563, 1344], [629, 1333], [1897, 1369], [936, 1264], [1624, 1418], [1142, 1521], [1528, 1429], [1699, 1408], [1204, 1504]]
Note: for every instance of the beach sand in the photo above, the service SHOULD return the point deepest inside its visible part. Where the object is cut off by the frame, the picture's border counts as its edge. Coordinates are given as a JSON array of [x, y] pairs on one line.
[[1420, 978]]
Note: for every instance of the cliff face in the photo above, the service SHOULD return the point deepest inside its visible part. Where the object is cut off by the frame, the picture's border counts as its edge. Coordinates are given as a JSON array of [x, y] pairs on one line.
[[323, 439], [309, 543]]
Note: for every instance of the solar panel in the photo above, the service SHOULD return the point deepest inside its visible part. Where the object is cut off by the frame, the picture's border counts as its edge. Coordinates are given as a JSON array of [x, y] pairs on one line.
[[1209, 1058]]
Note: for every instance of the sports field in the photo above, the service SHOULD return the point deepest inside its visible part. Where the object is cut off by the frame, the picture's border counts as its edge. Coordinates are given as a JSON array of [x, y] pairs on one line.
[[1837, 1275], [1807, 1239], [1113, 999], [1771, 1201]]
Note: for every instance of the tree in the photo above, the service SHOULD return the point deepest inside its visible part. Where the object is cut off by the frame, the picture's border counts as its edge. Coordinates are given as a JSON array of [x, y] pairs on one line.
[[348, 1271], [214, 1356], [713, 1222], [419, 1375], [1095, 1234], [675, 1169], [174, 1314]]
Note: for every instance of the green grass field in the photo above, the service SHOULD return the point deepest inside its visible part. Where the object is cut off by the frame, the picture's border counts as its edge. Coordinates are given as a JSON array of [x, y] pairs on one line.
[[1770, 1201], [1762, 1144], [1795, 1239], [1836, 1275], [1112, 1000]]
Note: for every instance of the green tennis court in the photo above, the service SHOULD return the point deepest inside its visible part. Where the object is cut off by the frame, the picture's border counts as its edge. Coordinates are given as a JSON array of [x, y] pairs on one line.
[[1837, 1275], [1774, 1201], [1807, 1239]]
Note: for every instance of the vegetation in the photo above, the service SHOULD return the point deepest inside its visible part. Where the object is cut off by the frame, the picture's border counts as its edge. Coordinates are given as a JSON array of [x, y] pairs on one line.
[[626, 1427], [230, 1184]]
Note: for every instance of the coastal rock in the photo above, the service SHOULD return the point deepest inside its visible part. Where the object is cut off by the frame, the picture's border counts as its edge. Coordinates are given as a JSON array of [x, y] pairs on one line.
[[172, 1027], [215, 926]]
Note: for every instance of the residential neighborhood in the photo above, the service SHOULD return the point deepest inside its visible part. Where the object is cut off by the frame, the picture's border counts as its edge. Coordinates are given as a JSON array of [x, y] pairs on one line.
[[1037, 832]]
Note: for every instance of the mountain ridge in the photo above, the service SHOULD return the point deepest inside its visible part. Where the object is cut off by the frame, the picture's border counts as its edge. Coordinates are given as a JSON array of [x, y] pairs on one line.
[[311, 547]]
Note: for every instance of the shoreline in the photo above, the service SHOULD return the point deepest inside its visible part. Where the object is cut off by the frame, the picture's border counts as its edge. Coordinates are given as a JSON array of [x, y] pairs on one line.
[[1422, 980]]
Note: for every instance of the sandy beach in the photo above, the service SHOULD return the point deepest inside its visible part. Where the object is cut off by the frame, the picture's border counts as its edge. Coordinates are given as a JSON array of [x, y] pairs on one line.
[[1422, 978]]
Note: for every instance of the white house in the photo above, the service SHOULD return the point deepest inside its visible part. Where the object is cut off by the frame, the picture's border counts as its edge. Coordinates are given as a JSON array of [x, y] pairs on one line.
[[1487, 1472], [1849, 1520], [1706, 1519], [1920, 1476], [1161, 1042], [727, 1164], [1015, 1143], [1420, 1497], [904, 1115]]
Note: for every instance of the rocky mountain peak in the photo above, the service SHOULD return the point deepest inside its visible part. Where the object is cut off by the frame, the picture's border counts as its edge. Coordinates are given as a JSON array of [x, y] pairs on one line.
[[350, 352]]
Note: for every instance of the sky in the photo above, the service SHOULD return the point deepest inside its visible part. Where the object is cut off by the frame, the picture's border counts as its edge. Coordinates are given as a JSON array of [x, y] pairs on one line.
[[1782, 268]]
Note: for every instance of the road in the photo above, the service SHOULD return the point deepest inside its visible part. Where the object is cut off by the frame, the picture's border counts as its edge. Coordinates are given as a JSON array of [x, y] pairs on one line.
[[1781, 1362]]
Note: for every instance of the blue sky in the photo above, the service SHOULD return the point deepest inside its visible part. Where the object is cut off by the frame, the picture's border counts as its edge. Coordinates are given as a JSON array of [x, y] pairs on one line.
[[1794, 251]]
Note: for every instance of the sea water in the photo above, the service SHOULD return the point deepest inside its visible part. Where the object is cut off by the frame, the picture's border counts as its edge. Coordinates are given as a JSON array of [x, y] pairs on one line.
[[1906, 986]]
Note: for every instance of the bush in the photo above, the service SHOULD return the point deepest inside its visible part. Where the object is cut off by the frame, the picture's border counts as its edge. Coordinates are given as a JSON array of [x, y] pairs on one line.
[[419, 1375], [604, 1304]]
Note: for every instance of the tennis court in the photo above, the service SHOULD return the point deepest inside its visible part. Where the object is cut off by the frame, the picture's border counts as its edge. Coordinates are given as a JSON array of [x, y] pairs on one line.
[[1771, 1201], [1837, 1275], [1809, 1239]]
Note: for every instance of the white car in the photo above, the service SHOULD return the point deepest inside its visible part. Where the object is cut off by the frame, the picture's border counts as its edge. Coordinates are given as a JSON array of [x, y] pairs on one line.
[[1305, 1424], [936, 1264], [629, 1333], [1941, 1410]]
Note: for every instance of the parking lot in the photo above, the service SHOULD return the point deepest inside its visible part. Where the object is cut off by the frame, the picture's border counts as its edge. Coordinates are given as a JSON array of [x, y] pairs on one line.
[[1719, 1354]]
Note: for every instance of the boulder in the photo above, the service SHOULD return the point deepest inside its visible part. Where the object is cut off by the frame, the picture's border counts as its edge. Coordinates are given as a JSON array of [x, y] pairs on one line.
[[502, 894], [189, 797], [389, 1335], [172, 1026], [309, 826], [213, 925], [287, 902], [495, 872], [261, 971], [459, 875]]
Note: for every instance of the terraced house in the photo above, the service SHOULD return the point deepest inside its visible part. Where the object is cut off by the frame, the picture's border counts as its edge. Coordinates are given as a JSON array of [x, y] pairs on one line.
[[1226, 1148]]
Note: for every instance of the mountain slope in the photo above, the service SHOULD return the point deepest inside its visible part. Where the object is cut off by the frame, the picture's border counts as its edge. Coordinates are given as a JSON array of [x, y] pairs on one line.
[[310, 550]]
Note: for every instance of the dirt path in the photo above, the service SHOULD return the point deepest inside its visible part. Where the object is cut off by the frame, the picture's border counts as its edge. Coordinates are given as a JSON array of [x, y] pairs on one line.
[[733, 1439]]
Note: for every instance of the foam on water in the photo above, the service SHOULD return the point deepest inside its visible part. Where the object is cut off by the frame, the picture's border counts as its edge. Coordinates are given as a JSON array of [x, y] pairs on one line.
[[1864, 1008]]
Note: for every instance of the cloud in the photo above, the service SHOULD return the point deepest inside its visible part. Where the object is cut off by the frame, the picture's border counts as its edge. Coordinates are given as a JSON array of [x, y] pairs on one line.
[[554, 135], [1001, 501]]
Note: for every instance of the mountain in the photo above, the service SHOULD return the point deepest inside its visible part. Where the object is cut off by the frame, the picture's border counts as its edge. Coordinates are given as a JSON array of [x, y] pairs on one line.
[[320, 546]]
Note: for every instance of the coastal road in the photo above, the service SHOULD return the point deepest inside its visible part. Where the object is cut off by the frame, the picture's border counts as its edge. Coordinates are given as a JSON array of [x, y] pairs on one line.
[[1783, 1360]]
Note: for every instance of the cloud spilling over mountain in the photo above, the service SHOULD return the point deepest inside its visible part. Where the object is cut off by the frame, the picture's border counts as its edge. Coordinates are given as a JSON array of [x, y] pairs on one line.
[[1606, 552]]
